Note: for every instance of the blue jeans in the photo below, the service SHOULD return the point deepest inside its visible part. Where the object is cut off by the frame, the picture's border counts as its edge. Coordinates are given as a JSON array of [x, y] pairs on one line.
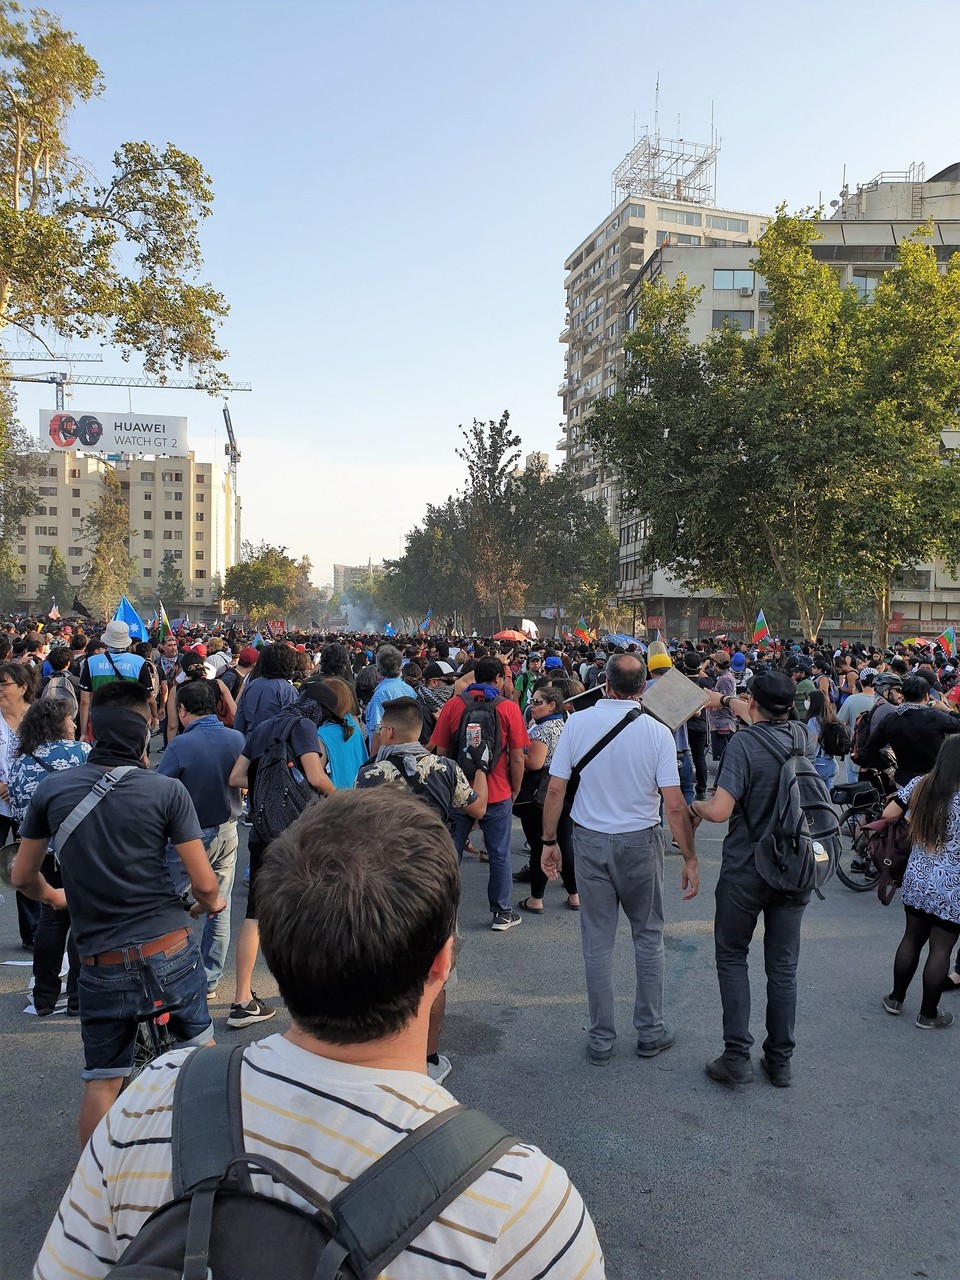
[[685, 765], [497, 826], [111, 994], [826, 766], [221, 846]]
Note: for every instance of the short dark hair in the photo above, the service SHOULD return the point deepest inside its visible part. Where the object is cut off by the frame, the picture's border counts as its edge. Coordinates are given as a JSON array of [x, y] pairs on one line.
[[914, 688], [277, 662], [128, 695], [354, 902], [404, 714], [626, 674], [487, 670], [197, 698], [59, 658]]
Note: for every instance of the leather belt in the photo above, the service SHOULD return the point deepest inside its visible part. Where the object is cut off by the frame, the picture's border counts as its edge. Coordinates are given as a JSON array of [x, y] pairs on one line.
[[169, 944]]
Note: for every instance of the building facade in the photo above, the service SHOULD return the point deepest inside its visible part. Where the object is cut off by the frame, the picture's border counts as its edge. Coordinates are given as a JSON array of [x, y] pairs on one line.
[[176, 505]]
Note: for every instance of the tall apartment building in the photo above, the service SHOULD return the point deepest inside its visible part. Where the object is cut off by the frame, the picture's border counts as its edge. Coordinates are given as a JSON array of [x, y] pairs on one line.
[[176, 504], [345, 574], [663, 192], [859, 241]]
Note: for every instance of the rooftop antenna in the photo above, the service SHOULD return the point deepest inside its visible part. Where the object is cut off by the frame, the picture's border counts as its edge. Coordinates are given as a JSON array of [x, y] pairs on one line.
[[656, 108]]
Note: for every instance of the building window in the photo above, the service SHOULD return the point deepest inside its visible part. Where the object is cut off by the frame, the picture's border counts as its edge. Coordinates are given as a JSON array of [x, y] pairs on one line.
[[726, 224], [171, 477], [45, 551], [47, 491], [147, 534], [148, 515], [21, 551], [685, 217], [198, 594], [198, 537], [201, 497], [76, 568], [50, 471], [198, 516], [200, 573], [148, 573], [178, 555], [635, 211], [75, 475], [76, 493], [178, 536], [168, 515], [672, 237], [148, 554], [733, 279], [167, 535], [741, 320], [75, 512], [198, 555], [76, 552], [146, 477], [178, 515]]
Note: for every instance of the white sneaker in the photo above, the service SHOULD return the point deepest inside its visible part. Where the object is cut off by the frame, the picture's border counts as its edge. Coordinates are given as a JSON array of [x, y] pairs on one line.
[[438, 1071]]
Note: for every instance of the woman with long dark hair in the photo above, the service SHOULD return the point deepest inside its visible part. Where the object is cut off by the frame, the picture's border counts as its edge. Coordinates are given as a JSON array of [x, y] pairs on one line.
[[47, 744], [343, 748], [546, 708], [819, 715], [931, 885]]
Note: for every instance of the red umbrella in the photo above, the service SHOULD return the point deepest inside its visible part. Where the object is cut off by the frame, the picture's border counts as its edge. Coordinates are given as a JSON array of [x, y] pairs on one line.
[[516, 636]]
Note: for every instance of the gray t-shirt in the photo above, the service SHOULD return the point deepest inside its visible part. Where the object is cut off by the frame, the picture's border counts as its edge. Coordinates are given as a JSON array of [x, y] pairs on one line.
[[114, 866], [751, 774]]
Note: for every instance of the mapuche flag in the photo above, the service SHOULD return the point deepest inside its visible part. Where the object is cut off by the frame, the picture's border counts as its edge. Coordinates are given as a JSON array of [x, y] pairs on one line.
[[580, 630], [948, 642], [165, 628]]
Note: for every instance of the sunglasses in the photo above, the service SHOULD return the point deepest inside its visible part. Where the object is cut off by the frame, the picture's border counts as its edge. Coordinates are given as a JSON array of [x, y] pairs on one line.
[[540, 702]]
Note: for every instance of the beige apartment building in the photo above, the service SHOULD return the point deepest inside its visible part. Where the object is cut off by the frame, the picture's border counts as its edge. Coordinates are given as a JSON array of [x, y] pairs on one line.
[[176, 504], [663, 193], [859, 241]]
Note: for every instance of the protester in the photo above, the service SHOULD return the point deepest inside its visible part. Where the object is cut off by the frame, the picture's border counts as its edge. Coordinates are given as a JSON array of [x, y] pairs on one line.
[[113, 662], [546, 707], [17, 687]]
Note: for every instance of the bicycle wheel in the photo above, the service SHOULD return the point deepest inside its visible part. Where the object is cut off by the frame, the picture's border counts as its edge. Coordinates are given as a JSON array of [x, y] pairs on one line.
[[144, 1052], [854, 868]]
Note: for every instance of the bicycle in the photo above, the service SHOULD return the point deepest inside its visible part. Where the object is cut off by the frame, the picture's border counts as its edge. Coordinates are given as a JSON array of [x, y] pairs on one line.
[[865, 802], [154, 1037]]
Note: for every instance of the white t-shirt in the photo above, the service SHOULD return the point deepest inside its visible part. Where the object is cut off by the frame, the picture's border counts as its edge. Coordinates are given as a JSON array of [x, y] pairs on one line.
[[619, 789], [325, 1122]]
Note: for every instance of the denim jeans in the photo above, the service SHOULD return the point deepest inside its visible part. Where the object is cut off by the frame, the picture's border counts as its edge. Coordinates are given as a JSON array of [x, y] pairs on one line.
[[739, 906], [221, 846], [685, 766], [112, 994], [615, 871], [826, 766], [497, 826]]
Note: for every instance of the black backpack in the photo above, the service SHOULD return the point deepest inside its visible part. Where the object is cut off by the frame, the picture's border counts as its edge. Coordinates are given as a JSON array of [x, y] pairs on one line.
[[280, 790], [834, 738], [798, 849], [479, 726], [218, 1228]]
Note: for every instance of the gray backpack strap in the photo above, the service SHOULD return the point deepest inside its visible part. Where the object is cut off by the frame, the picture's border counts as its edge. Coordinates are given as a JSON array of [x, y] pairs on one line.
[[89, 803], [207, 1131], [399, 1196]]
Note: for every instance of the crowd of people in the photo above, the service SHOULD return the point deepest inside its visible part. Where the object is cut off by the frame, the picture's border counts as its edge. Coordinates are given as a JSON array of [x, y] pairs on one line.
[[363, 768]]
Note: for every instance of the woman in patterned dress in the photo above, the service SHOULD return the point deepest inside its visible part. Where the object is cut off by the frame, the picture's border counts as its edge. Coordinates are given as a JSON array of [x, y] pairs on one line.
[[546, 709], [931, 885]]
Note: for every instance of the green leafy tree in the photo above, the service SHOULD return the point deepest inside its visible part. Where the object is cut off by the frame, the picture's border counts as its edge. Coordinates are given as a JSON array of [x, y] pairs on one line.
[[117, 258], [171, 588], [106, 532], [57, 585], [263, 581], [20, 464]]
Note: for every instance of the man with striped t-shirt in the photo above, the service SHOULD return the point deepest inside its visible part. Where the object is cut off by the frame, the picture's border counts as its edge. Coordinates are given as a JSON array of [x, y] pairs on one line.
[[357, 905]]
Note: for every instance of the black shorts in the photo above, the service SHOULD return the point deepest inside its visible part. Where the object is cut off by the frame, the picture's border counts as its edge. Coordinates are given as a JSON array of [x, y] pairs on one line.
[[256, 850]]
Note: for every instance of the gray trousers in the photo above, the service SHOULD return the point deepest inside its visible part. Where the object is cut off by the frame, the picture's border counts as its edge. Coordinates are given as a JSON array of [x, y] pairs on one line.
[[615, 871], [739, 906]]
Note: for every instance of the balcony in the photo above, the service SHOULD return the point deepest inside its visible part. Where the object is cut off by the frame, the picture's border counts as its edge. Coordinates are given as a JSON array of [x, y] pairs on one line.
[[763, 298]]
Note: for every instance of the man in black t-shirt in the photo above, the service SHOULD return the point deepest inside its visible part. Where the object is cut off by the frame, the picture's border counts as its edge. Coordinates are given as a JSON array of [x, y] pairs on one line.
[[915, 731], [124, 911], [747, 783]]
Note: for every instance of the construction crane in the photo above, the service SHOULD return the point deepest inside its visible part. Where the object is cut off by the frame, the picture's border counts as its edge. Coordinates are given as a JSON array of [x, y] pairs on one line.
[[62, 380], [230, 449], [70, 357]]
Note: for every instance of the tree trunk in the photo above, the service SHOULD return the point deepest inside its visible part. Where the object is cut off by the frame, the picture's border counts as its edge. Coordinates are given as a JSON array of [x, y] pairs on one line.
[[881, 626]]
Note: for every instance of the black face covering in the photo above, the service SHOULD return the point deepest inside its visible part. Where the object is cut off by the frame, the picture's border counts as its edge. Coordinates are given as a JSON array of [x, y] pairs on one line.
[[120, 736]]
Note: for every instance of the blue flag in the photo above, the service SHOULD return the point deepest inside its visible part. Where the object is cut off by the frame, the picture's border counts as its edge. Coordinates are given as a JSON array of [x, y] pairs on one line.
[[425, 624], [389, 630], [128, 614], [257, 641]]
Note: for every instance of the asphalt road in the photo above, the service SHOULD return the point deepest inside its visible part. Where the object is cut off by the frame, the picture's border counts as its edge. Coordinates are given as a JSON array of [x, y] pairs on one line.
[[849, 1175]]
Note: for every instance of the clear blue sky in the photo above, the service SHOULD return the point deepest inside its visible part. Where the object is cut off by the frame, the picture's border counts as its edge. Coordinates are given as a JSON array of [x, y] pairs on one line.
[[398, 183]]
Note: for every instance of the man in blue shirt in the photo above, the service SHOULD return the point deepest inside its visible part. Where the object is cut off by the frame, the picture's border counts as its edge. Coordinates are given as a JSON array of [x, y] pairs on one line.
[[390, 686], [265, 697], [201, 756]]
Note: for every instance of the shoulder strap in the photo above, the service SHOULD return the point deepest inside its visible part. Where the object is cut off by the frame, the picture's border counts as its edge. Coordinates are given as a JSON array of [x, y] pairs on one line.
[[116, 670], [207, 1131], [42, 763], [399, 1196], [89, 802], [605, 741]]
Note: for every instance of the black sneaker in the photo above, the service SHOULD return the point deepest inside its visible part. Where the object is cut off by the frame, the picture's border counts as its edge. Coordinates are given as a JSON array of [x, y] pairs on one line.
[[731, 1071], [244, 1015], [778, 1073], [522, 876], [504, 920]]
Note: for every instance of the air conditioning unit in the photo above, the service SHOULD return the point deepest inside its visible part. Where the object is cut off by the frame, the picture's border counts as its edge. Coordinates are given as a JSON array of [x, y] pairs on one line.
[[746, 292]]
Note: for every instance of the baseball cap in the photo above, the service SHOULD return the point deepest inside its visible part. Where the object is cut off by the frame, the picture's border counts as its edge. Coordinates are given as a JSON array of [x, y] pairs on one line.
[[552, 663], [248, 656], [737, 662], [692, 662], [534, 657], [437, 671]]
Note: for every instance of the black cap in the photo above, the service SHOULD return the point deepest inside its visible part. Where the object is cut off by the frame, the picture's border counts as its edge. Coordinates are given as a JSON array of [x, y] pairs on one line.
[[773, 691]]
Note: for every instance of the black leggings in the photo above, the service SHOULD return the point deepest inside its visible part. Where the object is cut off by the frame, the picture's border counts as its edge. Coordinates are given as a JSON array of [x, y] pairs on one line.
[[924, 928], [531, 819]]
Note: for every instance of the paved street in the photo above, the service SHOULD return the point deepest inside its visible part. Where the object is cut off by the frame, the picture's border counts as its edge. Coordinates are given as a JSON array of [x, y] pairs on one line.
[[849, 1175]]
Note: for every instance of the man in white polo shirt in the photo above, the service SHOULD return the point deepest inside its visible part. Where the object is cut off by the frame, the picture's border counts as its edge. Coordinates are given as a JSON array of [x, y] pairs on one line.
[[618, 844]]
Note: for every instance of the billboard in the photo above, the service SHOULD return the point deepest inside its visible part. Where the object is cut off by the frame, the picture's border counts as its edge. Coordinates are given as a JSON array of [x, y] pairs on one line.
[[114, 432]]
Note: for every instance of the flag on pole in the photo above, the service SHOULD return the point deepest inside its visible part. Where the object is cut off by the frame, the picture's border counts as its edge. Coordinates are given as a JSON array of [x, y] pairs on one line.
[[128, 614], [761, 631], [54, 613], [947, 642], [164, 621], [78, 608], [580, 630], [425, 624], [257, 641], [659, 635], [389, 629]]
